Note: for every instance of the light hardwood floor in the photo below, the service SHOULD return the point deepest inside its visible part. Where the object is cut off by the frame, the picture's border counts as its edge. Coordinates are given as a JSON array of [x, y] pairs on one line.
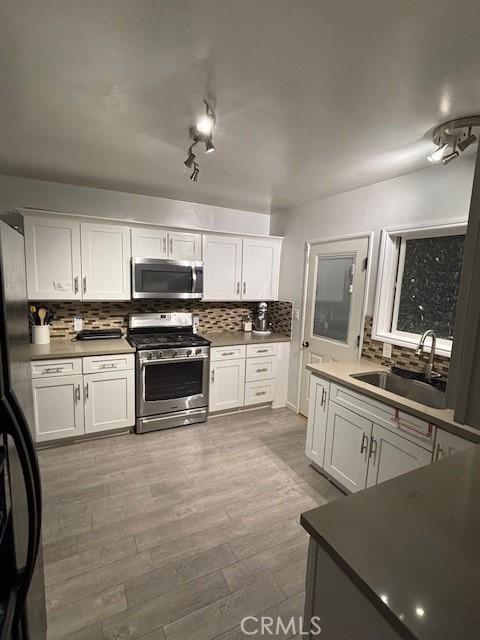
[[178, 534]]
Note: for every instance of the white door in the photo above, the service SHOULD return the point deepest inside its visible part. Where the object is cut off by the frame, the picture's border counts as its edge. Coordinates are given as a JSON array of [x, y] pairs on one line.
[[260, 269], [109, 400], [184, 246], [222, 267], [346, 449], [390, 456], [105, 262], [447, 444], [52, 253], [317, 420], [227, 385], [149, 243], [335, 303], [57, 407]]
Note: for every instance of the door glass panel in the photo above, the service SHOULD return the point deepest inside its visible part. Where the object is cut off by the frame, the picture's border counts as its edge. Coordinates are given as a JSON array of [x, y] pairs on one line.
[[333, 297], [173, 380]]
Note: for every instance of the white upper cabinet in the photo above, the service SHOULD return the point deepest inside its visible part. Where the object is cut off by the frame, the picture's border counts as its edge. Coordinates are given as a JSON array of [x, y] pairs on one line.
[[149, 243], [184, 246], [222, 276], [52, 249], [105, 262], [260, 268]]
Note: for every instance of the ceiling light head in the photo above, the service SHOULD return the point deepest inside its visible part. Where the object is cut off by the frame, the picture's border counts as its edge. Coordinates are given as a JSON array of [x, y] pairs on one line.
[[467, 141], [195, 173], [204, 125], [437, 155], [191, 159], [451, 156], [209, 146]]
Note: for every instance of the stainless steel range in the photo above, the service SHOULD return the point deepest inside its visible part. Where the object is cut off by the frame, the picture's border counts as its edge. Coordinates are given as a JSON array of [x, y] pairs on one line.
[[172, 368]]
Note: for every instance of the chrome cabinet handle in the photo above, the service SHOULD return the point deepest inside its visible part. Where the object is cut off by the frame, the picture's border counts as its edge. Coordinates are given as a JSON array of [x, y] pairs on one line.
[[262, 370], [52, 370], [324, 398], [364, 444], [261, 393], [77, 394], [244, 288], [165, 244], [75, 284], [238, 288], [373, 449], [439, 452], [262, 350], [84, 284], [212, 377], [171, 247], [228, 353], [86, 391], [108, 366]]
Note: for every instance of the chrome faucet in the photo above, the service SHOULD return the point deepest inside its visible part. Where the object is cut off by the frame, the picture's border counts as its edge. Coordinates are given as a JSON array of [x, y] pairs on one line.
[[429, 374]]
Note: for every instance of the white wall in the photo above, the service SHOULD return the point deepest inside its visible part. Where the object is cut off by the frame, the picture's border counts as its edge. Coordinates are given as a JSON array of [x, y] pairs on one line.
[[435, 193], [40, 194]]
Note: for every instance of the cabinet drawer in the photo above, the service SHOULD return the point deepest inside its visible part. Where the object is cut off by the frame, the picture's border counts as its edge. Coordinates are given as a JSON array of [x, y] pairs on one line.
[[255, 350], [260, 369], [51, 368], [227, 353], [97, 364], [398, 421], [258, 392]]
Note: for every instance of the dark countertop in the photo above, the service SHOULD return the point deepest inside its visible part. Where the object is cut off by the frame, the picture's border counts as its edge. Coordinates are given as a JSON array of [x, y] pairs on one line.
[[411, 545], [79, 348], [230, 338]]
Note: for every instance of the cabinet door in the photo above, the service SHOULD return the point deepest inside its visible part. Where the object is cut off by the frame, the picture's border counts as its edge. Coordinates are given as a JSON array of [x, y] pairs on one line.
[[105, 262], [346, 450], [109, 400], [58, 407], [52, 253], [390, 455], [447, 444], [222, 270], [227, 384], [149, 243], [184, 246], [260, 269], [317, 420]]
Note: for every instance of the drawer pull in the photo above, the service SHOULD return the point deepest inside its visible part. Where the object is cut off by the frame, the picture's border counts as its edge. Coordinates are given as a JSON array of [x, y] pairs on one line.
[[402, 424], [53, 370], [261, 393], [108, 366], [262, 370], [228, 353], [262, 350], [363, 446]]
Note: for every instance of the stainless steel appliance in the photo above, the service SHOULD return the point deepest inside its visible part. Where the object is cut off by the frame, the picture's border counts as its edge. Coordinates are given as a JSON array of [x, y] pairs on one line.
[[172, 369], [155, 278], [22, 591], [260, 322]]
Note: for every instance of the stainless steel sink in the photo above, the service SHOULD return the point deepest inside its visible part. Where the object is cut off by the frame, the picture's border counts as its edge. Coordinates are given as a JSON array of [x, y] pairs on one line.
[[411, 389]]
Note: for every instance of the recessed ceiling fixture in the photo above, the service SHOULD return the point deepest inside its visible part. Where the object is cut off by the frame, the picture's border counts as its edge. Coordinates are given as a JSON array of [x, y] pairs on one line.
[[201, 131], [455, 135]]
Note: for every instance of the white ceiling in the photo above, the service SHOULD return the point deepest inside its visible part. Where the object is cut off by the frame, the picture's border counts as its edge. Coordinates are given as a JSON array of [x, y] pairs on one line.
[[314, 97]]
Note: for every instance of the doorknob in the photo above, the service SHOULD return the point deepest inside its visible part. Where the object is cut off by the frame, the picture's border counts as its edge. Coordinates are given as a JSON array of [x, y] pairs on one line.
[[305, 344]]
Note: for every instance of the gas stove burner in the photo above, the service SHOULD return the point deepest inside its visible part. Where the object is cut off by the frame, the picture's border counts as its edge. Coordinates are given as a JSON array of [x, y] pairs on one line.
[[165, 340]]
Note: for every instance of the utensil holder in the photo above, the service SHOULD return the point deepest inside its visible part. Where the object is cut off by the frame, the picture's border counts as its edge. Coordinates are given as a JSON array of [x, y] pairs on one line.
[[41, 334]]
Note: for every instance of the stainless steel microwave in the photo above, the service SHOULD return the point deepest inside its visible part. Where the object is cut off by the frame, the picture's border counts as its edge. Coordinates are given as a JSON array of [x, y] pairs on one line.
[[155, 278]]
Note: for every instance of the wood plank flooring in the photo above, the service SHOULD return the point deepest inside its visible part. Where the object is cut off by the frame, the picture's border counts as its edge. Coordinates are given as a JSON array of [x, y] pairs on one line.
[[178, 534]]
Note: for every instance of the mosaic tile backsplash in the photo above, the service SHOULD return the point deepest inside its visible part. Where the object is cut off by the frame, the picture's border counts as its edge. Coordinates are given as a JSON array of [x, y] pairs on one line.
[[402, 357], [213, 316]]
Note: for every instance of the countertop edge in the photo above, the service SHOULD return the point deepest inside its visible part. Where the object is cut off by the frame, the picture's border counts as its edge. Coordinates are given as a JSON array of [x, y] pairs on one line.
[[422, 412], [230, 339]]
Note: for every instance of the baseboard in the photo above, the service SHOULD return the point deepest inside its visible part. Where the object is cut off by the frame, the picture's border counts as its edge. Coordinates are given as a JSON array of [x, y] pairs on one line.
[[291, 406]]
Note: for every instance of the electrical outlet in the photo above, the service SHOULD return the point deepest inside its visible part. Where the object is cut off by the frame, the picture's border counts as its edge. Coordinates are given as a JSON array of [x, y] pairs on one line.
[[296, 314], [77, 324], [387, 350]]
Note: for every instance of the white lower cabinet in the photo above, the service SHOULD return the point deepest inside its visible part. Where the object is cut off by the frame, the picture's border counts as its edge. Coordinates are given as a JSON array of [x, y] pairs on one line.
[[58, 407], [447, 444], [227, 384], [109, 400], [346, 450], [317, 419], [390, 456], [69, 405]]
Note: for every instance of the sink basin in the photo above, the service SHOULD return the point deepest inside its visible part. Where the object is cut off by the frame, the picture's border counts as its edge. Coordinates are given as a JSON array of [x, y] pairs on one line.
[[411, 389]]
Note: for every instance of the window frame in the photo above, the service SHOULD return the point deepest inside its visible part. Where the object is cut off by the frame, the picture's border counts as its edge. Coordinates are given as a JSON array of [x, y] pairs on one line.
[[389, 279]]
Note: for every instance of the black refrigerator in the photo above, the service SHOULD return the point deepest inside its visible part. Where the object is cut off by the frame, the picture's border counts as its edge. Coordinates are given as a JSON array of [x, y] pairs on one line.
[[22, 593]]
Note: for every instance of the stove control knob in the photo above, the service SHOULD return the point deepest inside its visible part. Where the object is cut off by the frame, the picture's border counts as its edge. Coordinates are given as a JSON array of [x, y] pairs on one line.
[[188, 352], [198, 352]]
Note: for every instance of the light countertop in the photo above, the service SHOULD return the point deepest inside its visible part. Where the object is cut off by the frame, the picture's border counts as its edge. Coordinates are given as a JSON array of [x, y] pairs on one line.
[[228, 339], [341, 372], [411, 546], [79, 348]]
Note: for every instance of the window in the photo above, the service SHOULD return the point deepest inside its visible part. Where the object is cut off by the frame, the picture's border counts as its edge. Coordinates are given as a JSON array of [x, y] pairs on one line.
[[419, 277]]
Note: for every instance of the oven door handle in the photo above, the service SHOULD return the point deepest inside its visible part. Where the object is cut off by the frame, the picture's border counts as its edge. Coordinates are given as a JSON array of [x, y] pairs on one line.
[[194, 279], [143, 363]]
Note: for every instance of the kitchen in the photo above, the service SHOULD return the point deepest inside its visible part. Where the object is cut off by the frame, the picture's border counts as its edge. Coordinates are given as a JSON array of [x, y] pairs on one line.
[[228, 385]]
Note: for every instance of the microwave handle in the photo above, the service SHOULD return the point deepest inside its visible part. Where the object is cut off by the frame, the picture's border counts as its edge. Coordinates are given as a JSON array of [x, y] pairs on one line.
[[194, 279]]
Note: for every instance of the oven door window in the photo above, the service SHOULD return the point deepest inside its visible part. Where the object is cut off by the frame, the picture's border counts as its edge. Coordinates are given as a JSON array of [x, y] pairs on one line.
[[150, 278], [173, 380]]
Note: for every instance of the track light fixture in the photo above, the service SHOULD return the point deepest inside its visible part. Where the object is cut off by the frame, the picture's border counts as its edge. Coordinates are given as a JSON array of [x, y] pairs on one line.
[[201, 131], [456, 134]]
